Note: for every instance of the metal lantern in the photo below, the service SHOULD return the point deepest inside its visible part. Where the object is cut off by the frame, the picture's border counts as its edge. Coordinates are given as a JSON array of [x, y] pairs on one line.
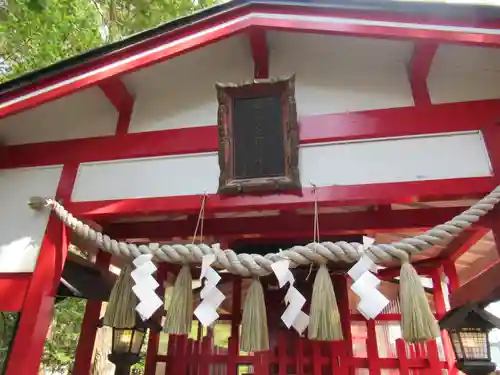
[[468, 327], [126, 347], [127, 343], [128, 340]]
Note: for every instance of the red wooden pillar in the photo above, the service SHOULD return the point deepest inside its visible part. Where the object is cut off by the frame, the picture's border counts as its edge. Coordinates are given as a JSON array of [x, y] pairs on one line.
[[404, 368], [38, 306], [234, 344], [342, 293], [440, 307], [372, 348], [451, 273], [154, 337], [90, 324]]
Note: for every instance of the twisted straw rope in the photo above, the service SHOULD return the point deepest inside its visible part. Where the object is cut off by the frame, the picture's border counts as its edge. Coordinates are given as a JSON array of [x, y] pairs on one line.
[[247, 265]]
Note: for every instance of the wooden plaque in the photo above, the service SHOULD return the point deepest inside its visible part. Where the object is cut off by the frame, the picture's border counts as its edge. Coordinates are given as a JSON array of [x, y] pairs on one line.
[[258, 136]]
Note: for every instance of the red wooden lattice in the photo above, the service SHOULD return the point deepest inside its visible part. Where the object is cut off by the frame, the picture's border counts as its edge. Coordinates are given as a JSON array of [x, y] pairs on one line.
[[297, 356]]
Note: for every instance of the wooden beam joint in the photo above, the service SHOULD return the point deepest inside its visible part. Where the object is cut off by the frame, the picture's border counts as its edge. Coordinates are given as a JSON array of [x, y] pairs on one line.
[[119, 96], [260, 52], [419, 68]]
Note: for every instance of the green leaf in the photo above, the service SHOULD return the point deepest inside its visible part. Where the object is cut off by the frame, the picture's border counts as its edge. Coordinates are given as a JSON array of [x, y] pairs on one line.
[[38, 33]]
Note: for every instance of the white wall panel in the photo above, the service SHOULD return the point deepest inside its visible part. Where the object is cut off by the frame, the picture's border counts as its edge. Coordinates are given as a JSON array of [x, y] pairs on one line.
[[432, 157], [338, 74], [81, 115], [369, 161], [464, 73], [148, 177], [181, 92], [334, 75], [21, 228]]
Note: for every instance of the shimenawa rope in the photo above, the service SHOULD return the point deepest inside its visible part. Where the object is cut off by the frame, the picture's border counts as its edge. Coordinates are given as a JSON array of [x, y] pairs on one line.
[[247, 265]]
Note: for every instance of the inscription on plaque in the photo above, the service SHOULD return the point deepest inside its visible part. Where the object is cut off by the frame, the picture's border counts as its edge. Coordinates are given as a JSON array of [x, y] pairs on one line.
[[259, 150], [258, 136]]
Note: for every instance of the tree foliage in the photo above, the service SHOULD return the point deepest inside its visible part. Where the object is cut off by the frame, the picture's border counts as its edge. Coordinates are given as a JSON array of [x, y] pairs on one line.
[[38, 33], [8, 322], [60, 347]]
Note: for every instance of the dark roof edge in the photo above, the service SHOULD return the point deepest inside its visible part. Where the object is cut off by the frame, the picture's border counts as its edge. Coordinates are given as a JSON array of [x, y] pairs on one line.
[[452, 12]]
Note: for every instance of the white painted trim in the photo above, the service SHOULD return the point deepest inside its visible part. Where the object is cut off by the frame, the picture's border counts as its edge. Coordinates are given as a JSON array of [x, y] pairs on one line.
[[317, 19]]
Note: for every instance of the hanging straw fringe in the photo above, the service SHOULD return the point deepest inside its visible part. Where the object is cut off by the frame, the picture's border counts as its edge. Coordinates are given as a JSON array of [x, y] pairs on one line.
[[120, 312], [418, 324], [324, 323], [254, 333], [180, 313]]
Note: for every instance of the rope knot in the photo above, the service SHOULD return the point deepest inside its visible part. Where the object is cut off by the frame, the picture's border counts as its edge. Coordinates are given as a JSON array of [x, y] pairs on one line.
[[38, 203]]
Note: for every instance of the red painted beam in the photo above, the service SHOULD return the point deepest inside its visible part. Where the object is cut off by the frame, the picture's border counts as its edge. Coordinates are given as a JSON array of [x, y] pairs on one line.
[[373, 194], [483, 287], [117, 93], [260, 52], [442, 118], [419, 69], [212, 29], [355, 222], [13, 287], [464, 242]]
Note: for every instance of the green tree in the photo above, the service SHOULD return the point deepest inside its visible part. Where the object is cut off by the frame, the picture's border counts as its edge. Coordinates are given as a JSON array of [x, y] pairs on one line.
[[35, 35], [38, 33], [60, 347], [8, 321]]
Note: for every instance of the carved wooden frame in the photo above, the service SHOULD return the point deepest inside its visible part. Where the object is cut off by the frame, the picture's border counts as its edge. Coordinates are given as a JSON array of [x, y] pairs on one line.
[[226, 93]]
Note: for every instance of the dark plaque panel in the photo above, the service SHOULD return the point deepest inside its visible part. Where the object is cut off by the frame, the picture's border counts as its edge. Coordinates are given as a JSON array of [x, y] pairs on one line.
[[258, 136], [259, 150]]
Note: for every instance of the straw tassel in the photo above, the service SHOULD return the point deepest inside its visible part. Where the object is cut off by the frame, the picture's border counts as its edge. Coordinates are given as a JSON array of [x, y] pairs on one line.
[[180, 313], [418, 324], [254, 332], [120, 311], [324, 323]]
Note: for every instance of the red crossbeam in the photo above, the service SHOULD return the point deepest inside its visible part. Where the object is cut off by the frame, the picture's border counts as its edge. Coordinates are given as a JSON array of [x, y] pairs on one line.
[[452, 117], [297, 225], [464, 242], [485, 286]]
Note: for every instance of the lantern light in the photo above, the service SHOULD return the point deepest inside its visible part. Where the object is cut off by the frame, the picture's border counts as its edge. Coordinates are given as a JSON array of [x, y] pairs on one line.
[[468, 327], [127, 343], [128, 340]]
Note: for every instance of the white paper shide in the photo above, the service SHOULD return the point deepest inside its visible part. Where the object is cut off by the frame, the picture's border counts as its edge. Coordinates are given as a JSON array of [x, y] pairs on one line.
[[293, 315], [145, 286], [365, 285], [211, 297]]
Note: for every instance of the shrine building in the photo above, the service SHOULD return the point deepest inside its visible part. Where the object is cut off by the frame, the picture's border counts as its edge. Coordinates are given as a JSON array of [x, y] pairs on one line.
[[252, 134]]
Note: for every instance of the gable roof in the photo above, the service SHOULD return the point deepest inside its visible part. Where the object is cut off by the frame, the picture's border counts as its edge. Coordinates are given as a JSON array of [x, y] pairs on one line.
[[470, 14]]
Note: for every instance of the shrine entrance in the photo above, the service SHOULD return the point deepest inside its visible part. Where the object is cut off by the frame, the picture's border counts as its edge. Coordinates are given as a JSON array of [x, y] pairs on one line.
[[369, 346]]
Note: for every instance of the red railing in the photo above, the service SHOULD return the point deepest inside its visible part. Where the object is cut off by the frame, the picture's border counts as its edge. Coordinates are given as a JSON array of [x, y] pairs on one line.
[[298, 356]]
